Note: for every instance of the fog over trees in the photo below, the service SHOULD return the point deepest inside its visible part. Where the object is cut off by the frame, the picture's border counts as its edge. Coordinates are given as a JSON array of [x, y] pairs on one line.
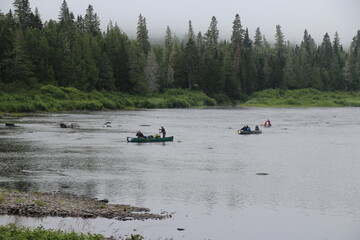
[[73, 51]]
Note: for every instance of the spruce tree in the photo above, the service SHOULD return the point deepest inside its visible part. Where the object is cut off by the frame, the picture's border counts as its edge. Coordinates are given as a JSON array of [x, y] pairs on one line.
[[279, 63], [20, 69], [212, 71], [23, 13], [142, 36], [92, 22], [191, 58], [248, 71], [137, 63], [354, 62], [36, 20], [258, 42], [167, 71], [236, 42], [117, 49]]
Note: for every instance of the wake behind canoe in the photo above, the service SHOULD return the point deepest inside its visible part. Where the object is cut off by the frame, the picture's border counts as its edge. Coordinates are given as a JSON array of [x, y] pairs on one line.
[[166, 139]]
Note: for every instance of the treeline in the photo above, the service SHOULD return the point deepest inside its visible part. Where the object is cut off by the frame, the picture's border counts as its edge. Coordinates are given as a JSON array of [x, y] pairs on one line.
[[73, 52]]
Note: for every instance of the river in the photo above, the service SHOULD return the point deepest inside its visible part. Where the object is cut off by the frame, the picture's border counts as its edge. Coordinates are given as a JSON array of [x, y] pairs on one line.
[[207, 178]]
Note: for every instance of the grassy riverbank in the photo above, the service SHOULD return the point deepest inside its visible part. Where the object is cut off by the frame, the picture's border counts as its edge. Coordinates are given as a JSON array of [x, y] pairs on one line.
[[14, 232], [54, 99], [303, 98]]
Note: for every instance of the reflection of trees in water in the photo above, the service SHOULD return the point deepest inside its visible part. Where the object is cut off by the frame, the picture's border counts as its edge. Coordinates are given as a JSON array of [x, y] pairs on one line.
[[14, 163], [18, 185], [14, 157], [14, 145]]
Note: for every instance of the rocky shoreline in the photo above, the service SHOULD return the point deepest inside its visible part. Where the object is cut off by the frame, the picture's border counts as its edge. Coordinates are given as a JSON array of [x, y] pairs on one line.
[[35, 204]]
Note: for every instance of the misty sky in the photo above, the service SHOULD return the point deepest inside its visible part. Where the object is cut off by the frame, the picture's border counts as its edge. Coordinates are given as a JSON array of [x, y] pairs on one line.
[[294, 16]]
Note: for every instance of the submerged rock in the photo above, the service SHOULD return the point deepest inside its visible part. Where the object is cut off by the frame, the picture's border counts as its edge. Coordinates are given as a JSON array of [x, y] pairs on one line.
[[262, 173], [69, 125]]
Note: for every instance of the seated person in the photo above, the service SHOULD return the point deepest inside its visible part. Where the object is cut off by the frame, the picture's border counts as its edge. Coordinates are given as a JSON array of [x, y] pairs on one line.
[[140, 134], [257, 128], [268, 123], [245, 128]]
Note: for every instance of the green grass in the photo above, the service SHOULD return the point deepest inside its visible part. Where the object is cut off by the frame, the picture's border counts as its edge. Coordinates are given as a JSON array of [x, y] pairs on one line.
[[40, 203], [55, 99], [2, 198], [303, 98], [12, 232]]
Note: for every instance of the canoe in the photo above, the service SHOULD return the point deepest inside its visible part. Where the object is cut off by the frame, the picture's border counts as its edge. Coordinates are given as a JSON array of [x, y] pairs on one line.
[[249, 132], [166, 139]]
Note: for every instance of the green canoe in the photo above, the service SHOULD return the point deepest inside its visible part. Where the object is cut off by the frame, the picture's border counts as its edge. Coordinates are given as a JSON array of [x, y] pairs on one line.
[[249, 132], [166, 139]]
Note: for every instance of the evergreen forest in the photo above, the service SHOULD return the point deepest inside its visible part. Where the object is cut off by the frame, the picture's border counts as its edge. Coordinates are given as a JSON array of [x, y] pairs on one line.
[[73, 52]]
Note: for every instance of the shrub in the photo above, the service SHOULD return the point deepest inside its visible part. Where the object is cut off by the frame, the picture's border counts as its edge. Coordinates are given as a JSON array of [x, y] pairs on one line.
[[53, 91]]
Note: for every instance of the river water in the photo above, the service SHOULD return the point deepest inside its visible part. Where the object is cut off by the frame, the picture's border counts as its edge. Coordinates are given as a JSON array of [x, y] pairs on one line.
[[207, 178]]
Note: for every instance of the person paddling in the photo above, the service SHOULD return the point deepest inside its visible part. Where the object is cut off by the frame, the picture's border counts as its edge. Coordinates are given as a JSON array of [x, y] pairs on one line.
[[267, 123], [162, 130]]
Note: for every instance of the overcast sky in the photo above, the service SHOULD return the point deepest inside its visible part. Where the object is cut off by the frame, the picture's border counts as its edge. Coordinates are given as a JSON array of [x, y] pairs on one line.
[[294, 16]]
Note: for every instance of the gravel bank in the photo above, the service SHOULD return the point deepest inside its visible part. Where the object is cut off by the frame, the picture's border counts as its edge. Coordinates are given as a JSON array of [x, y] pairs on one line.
[[35, 204]]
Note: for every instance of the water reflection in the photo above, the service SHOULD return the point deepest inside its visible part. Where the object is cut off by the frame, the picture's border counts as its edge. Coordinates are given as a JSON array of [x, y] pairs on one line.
[[208, 173]]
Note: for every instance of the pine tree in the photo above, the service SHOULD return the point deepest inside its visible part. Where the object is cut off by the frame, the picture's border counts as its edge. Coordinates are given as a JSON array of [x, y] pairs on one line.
[[248, 71], [191, 58], [279, 63], [142, 36], [167, 71], [307, 57], [23, 13], [168, 44], [279, 39], [117, 49], [80, 23], [326, 62], [354, 62], [174, 63], [36, 19], [212, 71], [20, 67], [69, 46], [211, 39], [105, 79], [92, 22], [231, 85], [65, 16], [7, 35], [236, 42], [326, 52], [291, 71], [136, 66], [258, 42], [338, 82]]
